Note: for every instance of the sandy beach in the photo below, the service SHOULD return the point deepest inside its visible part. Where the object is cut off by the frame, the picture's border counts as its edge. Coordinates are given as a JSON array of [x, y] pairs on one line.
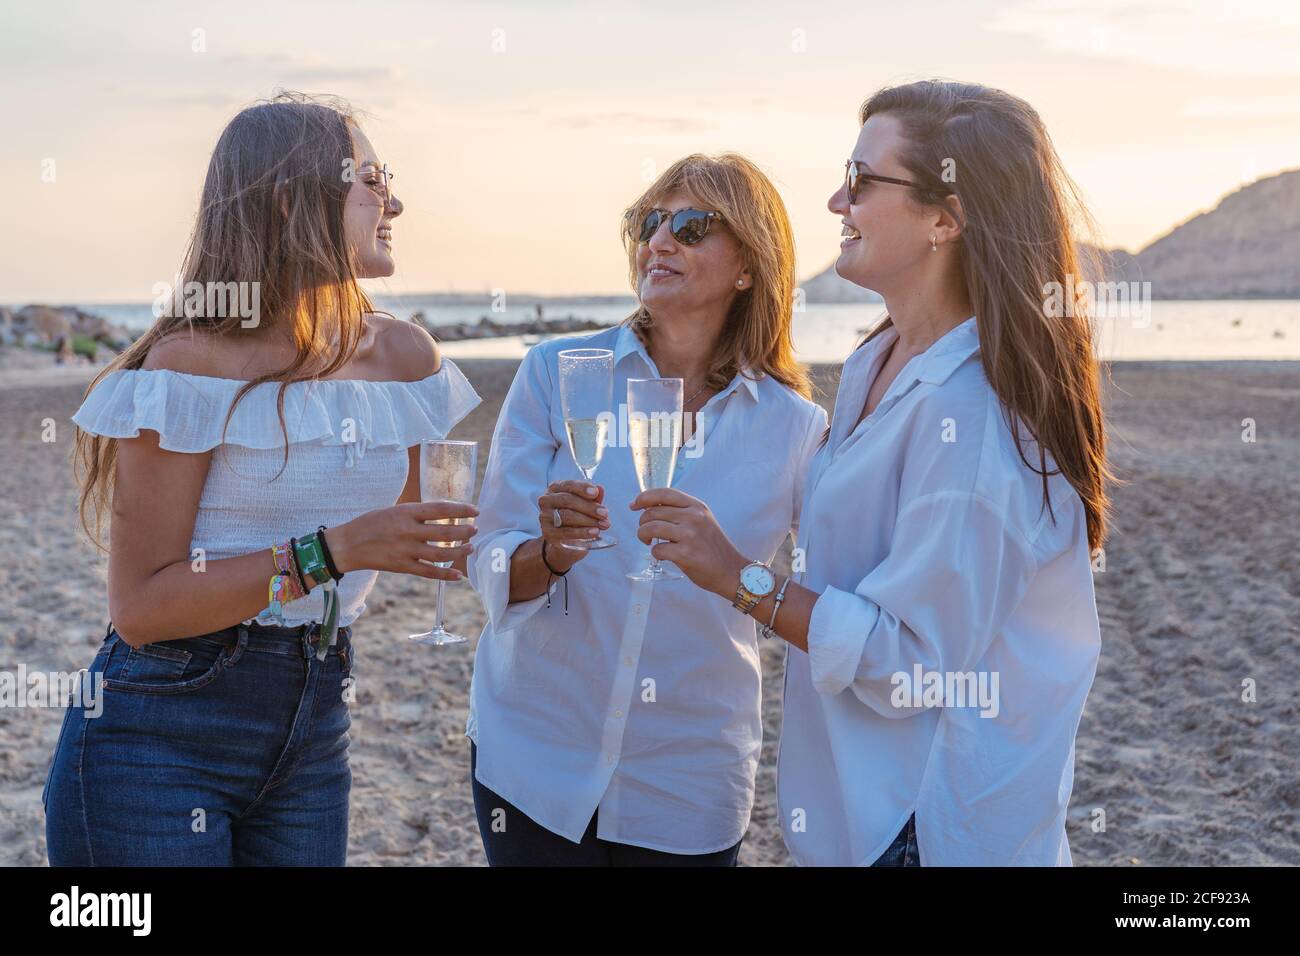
[[1200, 593]]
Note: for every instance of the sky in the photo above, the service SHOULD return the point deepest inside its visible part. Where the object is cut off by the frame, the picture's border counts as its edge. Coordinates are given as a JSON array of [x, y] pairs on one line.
[[518, 132]]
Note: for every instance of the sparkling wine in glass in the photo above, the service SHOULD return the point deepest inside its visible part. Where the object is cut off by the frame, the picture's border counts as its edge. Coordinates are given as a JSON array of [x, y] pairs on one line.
[[654, 430], [447, 472], [586, 393]]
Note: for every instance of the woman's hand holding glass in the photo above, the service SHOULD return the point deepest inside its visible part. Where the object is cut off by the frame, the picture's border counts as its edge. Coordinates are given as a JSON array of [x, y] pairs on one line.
[[397, 539], [582, 513], [691, 538]]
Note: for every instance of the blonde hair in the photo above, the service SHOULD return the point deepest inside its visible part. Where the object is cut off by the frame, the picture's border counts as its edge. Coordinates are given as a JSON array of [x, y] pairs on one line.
[[757, 330]]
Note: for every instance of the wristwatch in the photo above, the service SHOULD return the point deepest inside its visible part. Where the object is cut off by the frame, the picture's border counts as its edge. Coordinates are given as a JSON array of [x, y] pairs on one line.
[[756, 582]]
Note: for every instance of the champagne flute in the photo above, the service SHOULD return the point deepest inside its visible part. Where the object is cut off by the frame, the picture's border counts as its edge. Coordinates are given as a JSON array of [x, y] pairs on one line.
[[447, 472], [654, 430], [586, 393]]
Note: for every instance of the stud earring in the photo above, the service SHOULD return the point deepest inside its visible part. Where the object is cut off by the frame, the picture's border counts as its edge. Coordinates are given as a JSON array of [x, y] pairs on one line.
[[740, 283], [934, 246]]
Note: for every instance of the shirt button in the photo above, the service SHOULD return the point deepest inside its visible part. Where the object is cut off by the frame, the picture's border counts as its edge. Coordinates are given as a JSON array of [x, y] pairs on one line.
[[618, 713], [610, 758], [627, 661], [637, 608]]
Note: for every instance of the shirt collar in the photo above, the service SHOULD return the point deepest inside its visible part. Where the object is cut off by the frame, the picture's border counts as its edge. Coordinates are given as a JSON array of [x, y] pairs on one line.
[[942, 358], [629, 343]]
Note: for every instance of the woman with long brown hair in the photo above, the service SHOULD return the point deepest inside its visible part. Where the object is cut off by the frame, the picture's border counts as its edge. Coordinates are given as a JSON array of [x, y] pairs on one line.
[[943, 634], [257, 450], [621, 725]]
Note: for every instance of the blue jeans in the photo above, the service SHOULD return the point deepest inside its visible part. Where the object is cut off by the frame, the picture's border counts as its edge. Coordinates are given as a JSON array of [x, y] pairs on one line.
[[527, 843], [229, 749], [903, 851]]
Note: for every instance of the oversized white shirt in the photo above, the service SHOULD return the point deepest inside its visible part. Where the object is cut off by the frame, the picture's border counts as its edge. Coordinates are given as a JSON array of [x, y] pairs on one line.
[[645, 700], [926, 535]]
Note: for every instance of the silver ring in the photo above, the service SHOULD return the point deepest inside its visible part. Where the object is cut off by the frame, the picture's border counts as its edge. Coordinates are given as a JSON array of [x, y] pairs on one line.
[[556, 518]]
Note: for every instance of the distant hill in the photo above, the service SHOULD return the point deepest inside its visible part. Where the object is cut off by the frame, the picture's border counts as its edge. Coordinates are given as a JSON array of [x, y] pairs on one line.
[[827, 288], [1246, 247]]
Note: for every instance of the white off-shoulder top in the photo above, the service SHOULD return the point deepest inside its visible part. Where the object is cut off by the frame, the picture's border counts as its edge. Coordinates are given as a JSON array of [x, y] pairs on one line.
[[347, 454]]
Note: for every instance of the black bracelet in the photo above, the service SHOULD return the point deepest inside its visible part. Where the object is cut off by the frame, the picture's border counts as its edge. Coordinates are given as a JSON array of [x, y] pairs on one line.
[[555, 574], [558, 574], [335, 573]]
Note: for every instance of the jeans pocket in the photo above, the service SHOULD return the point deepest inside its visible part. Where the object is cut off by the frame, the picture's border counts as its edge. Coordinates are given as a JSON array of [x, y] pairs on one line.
[[345, 659], [164, 667]]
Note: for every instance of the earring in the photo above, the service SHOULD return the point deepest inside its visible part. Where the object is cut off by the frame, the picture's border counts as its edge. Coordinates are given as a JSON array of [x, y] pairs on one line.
[[934, 246], [740, 283]]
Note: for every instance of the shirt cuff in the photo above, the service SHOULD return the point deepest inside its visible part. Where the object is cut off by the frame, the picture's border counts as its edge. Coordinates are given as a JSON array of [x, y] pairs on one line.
[[491, 579], [837, 635]]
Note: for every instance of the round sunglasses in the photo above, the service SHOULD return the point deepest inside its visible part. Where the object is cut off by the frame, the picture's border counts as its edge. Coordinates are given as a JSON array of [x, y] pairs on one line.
[[688, 226]]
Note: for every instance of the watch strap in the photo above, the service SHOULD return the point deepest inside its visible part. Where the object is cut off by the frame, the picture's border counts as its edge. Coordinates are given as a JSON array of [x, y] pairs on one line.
[[746, 600]]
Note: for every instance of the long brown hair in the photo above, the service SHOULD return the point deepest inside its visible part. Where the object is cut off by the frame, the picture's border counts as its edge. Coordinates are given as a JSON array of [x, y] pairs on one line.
[[757, 330], [271, 213], [1021, 213]]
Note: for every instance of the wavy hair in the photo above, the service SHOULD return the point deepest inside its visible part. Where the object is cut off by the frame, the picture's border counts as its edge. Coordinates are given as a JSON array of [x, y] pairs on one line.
[[271, 213], [757, 331]]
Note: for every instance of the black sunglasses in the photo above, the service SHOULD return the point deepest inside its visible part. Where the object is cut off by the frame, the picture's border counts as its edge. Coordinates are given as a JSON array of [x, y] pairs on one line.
[[688, 226], [854, 177]]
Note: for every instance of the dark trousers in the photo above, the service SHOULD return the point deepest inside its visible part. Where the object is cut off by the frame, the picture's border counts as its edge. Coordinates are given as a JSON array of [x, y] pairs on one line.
[[903, 851], [524, 842]]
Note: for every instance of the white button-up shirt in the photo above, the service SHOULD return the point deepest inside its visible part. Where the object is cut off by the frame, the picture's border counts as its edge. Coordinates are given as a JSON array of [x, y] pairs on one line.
[[926, 535], [645, 700]]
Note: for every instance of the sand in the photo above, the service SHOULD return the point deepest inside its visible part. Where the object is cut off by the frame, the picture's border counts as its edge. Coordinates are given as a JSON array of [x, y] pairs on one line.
[[1201, 591]]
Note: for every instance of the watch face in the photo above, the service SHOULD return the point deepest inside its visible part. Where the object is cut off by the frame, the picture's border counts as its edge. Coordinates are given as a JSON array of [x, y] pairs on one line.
[[757, 579]]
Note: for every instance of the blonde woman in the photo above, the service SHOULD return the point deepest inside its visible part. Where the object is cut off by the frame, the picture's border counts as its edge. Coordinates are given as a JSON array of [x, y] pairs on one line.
[[620, 724], [944, 636], [261, 469]]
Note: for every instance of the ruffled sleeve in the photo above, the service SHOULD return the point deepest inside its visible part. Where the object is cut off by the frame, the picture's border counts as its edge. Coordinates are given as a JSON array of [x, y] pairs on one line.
[[447, 397], [189, 411]]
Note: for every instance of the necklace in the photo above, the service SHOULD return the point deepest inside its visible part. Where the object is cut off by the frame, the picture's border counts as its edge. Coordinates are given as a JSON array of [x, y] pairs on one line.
[[696, 394]]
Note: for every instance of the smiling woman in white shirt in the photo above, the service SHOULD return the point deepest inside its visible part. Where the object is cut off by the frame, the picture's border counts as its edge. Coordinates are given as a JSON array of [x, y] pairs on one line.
[[620, 725], [259, 470], [943, 635]]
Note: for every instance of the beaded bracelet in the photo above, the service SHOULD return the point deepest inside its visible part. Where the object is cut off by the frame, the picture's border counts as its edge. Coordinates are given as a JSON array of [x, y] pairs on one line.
[[286, 565], [286, 583]]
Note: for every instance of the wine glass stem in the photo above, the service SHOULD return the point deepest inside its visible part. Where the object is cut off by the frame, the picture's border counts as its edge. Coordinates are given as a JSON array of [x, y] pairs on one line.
[[439, 624], [654, 562]]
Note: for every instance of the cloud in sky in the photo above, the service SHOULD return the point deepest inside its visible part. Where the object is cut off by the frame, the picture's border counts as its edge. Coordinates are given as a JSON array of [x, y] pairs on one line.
[[1246, 38], [1158, 108]]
